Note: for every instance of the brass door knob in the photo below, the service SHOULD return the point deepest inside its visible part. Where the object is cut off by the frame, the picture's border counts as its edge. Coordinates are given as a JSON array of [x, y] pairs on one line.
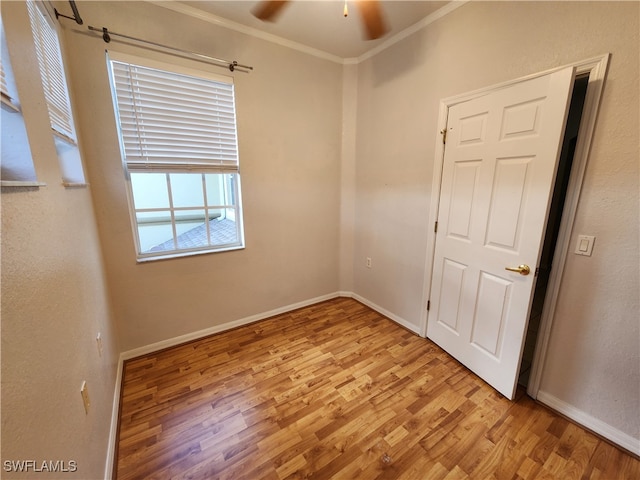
[[521, 269]]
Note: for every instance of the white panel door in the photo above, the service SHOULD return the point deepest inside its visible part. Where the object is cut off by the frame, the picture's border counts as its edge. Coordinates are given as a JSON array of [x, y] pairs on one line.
[[499, 168]]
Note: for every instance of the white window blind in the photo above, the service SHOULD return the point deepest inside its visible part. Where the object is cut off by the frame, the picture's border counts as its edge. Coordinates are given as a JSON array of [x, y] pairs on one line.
[[4, 89], [5, 92], [172, 121], [52, 72]]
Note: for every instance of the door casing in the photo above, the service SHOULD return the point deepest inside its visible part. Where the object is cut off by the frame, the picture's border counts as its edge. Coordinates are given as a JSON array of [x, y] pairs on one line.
[[596, 68]]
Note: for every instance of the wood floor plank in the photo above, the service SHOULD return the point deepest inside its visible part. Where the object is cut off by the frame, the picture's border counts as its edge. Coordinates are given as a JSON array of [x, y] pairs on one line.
[[335, 391]]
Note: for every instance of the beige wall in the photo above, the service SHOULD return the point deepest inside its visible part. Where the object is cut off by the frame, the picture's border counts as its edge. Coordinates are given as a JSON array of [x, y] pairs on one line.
[[289, 112], [54, 301], [593, 362], [336, 165], [348, 175]]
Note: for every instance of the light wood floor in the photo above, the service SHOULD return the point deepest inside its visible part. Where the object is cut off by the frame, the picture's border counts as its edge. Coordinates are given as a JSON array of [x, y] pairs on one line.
[[336, 390]]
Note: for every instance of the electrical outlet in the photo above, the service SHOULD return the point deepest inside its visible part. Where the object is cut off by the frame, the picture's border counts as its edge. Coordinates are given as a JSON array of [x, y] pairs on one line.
[[368, 262], [84, 391], [99, 342]]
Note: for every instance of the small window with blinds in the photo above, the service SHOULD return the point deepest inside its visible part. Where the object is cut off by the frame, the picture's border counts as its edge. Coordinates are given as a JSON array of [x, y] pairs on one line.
[[179, 146], [52, 73], [56, 93]]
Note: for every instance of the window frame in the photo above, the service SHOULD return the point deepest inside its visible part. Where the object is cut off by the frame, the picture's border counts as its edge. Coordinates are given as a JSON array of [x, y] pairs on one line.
[[230, 171]]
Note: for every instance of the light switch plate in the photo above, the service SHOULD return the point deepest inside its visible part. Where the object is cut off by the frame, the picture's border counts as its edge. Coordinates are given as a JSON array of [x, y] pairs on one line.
[[584, 246]]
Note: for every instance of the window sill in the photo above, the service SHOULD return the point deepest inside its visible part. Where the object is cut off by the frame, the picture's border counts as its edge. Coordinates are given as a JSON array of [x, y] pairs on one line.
[[21, 183], [74, 185], [187, 253]]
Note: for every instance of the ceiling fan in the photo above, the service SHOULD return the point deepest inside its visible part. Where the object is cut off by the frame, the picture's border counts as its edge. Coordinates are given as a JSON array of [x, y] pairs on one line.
[[370, 11]]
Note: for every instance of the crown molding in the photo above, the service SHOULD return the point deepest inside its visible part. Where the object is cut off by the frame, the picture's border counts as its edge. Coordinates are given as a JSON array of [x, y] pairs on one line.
[[238, 27], [429, 19], [254, 32]]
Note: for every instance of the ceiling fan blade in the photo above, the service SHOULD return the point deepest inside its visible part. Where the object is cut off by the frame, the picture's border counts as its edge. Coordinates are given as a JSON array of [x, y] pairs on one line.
[[373, 19], [268, 10]]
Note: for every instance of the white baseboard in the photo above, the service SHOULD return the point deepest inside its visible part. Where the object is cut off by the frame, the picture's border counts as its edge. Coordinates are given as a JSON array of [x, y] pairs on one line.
[[400, 321], [113, 430], [598, 426], [172, 342]]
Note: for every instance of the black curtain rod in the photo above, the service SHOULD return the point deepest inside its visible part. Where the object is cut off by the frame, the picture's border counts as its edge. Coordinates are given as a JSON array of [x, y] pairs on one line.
[[218, 62]]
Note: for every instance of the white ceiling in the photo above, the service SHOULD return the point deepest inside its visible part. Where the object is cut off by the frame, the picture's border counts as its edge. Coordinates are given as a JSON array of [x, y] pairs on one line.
[[315, 24]]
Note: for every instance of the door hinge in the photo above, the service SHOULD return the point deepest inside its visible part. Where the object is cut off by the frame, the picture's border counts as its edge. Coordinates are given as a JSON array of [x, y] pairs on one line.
[[435, 228], [428, 305], [444, 135]]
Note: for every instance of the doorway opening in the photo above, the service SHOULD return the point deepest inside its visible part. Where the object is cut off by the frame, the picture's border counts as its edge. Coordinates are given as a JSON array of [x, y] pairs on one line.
[[553, 222], [592, 71]]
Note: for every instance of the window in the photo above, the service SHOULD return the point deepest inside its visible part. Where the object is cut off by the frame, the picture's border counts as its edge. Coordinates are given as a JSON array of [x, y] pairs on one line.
[[178, 140], [52, 73], [56, 94], [16, 161]]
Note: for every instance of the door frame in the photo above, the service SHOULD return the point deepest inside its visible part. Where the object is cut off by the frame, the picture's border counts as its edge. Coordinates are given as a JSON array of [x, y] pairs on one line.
[[596, 67]]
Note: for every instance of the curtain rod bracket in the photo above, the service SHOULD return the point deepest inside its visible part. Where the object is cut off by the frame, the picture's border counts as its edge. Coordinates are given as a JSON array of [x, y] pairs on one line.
[[105, 35], [76, 14]]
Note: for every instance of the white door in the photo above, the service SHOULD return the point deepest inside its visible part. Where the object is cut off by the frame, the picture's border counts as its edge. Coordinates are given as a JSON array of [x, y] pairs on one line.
[[499, 167]]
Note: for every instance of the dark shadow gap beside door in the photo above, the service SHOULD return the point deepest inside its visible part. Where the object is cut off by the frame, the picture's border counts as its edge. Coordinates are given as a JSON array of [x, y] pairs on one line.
[[553, 222]]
